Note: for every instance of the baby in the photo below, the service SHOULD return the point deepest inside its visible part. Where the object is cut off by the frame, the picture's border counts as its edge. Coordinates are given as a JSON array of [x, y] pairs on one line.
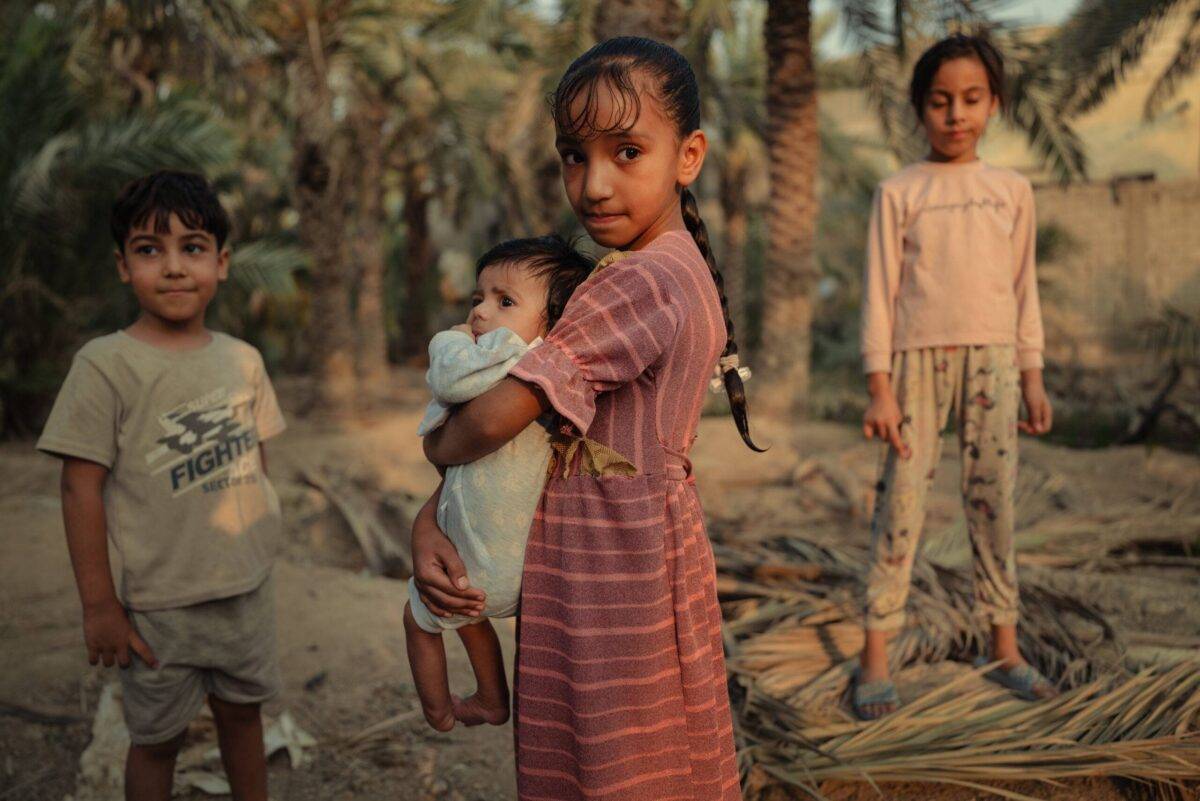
[[486, 507]]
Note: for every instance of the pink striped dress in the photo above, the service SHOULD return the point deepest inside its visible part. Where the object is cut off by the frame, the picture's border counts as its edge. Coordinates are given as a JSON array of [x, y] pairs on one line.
[[620, 688]]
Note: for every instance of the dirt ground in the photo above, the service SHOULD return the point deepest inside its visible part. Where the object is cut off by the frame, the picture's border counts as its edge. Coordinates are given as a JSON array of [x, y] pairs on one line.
[[341, 638]]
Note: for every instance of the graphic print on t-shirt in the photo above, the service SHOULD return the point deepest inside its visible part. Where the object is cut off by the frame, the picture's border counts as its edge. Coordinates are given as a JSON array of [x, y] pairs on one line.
[[207, 442]]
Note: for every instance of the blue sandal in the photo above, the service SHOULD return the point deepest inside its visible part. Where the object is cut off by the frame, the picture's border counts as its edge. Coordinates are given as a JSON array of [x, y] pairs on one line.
[[870, 693], [1025, 680]]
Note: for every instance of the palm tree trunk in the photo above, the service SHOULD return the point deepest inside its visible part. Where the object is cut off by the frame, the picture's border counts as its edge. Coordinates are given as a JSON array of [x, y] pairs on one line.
[[733, 262], [418, 258], [320, 203], [657, 19], [793, 150], [370, 254]]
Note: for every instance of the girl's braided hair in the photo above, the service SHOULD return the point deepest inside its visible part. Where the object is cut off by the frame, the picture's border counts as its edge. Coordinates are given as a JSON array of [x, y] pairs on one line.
[[614, 65]]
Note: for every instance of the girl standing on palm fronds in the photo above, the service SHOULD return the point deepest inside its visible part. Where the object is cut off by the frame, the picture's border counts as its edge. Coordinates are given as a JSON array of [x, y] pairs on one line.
[[951, 326]]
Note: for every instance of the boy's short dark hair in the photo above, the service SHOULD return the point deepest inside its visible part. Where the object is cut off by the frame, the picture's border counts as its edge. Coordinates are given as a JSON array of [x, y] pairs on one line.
[[187, 195], [957, 46], [550, 257]]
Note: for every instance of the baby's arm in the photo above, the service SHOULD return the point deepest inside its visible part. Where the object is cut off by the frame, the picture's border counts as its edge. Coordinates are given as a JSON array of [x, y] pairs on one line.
[[462, 368], [106, 628]]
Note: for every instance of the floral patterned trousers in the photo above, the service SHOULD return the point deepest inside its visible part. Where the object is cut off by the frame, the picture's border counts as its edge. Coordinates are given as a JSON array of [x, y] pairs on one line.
[[978, 386]]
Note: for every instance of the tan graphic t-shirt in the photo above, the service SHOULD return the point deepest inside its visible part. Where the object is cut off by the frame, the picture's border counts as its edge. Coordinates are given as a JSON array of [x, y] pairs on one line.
[[188, 507]]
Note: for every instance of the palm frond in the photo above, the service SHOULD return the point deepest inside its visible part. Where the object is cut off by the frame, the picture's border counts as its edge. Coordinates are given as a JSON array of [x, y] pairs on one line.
[[109, 152], [267, 265], [1182, 65], [1034, 109], [1100, 42]]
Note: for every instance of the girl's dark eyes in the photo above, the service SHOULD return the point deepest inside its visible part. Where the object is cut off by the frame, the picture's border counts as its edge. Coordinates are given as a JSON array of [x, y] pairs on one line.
[[629, 152], [145, 250], [193, 248], [572, 157]]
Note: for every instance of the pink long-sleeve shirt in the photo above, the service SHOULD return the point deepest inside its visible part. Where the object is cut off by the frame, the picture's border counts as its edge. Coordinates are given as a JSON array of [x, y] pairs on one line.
[[950, 261]]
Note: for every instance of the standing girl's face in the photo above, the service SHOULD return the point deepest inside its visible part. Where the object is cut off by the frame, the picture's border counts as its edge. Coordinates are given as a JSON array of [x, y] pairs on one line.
[[624, 183], [957, 109]]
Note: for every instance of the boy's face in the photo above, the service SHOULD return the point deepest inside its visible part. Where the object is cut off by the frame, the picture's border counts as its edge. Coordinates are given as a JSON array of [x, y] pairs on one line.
[[174, 275], [957, 109], [509, 296]]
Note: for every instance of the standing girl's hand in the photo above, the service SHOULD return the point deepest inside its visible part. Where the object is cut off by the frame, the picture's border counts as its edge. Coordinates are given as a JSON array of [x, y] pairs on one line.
[[438, 571], [883, 416], [1039, 416]]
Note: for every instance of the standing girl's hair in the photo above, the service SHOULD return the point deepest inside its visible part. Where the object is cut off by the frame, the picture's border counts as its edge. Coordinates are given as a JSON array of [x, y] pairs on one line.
[[628, 66], [952, 47]]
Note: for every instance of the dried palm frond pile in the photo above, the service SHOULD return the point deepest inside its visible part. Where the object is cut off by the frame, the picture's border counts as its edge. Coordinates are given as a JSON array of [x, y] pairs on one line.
[[792, 607]]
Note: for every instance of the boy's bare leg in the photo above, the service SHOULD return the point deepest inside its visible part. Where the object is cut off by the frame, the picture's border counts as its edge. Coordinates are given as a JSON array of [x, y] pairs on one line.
[[489, 704], [427, 659], [240, 736], [150, 770]]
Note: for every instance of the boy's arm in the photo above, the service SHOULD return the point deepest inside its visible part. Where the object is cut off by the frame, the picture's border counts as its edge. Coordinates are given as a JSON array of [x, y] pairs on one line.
[[461, 368], [107, 632]]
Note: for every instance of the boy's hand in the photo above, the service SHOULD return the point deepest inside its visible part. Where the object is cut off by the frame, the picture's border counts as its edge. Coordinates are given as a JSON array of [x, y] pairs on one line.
[[464, 329], [1039, 416], [110, 636], [883, 416]]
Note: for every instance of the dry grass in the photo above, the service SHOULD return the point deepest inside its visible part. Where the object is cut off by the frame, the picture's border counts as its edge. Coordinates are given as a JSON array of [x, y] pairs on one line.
[[793, 635]]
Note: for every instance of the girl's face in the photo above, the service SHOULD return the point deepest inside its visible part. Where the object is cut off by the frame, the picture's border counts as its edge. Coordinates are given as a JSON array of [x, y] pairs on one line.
[[957, 109], [511, 296], [624, 184]]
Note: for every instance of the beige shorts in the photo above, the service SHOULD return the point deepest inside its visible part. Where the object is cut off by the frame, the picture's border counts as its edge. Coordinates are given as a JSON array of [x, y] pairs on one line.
[[225, 648]]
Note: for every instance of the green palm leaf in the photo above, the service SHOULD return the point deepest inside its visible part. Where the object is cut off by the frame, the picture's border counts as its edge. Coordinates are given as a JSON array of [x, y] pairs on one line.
[[1100, 42], [267, 265]]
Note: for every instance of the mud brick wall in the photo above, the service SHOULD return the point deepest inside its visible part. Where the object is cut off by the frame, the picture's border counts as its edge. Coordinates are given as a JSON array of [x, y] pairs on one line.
[[1131, 245]]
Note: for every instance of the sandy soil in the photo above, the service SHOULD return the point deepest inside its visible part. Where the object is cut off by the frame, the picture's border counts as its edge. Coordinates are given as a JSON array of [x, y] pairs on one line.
[[342, 641]]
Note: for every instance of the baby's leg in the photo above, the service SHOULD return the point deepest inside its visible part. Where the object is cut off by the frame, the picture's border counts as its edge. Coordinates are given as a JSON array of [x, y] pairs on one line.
[[489, 704], [427, 658]]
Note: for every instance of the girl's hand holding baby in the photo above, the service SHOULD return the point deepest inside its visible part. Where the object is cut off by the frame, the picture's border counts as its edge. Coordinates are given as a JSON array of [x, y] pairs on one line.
[[883, 416], [438, 571], [1039, 416]]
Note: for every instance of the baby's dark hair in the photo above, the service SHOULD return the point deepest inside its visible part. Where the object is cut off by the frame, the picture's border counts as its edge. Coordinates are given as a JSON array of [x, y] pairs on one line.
[[187, 195], [550, 257], [615, 65], [957, 46]]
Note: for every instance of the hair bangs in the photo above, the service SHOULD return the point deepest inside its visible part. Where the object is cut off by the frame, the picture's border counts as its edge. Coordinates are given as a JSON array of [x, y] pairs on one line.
[[586, 120]]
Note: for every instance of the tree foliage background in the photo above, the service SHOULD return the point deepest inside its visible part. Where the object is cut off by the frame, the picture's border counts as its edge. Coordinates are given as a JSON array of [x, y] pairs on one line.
[[367, 150]]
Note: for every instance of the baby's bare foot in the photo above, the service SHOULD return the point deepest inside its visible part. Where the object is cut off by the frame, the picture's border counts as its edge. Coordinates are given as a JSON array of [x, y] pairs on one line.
[[440, 719], [475, 710]]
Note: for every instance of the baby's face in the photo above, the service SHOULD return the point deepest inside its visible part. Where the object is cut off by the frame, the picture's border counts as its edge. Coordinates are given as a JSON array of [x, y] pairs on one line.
[[509, 296]]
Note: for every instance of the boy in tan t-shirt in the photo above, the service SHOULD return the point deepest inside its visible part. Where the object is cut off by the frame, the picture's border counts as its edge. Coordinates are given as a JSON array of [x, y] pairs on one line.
[[160, 429]]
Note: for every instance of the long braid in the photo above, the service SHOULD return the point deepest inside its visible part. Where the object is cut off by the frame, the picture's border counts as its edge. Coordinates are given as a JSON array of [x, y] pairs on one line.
[[730, 375]]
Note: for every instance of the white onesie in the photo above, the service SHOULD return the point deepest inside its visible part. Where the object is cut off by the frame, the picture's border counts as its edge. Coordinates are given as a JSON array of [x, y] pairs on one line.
[[487, 506]]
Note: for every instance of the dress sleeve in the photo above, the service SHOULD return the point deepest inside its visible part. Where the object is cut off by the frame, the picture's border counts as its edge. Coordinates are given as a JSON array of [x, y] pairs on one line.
[[615, 326]]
